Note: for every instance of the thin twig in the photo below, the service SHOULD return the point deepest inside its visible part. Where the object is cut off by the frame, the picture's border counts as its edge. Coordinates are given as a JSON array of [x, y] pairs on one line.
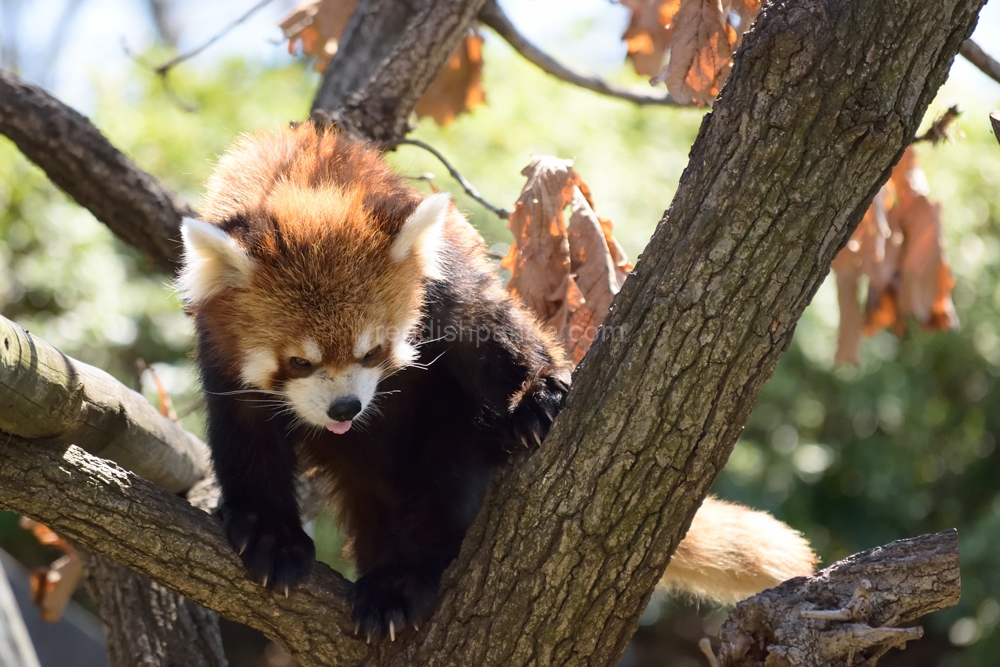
[[995, 122], [940, 129], [163, 70], [176, 60], [468, 187], [975, 55], [493, 16]]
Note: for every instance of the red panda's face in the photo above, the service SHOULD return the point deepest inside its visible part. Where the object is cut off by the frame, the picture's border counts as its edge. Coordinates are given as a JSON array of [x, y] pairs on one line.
[[321, 305]]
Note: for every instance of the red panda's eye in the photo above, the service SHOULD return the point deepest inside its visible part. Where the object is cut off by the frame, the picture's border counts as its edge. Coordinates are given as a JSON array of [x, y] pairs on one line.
[[300, 364], [372, 356]]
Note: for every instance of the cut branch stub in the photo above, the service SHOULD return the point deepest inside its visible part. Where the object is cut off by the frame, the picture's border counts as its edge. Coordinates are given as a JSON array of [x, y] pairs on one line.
[[46, 394], [849, 608]]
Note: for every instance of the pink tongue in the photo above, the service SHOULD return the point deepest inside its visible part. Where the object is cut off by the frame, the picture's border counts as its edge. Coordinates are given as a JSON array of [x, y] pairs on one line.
[[339, 428]]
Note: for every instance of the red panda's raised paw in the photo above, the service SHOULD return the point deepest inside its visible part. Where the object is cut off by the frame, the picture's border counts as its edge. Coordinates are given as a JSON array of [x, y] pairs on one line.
[[392, 598], [275, 550], [537, 409]]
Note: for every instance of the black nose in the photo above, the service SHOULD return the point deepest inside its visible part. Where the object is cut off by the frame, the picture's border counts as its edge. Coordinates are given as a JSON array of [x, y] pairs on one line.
[[344, 409]]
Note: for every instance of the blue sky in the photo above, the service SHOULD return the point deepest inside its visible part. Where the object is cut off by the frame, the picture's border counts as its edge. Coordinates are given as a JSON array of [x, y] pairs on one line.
[[584, 33]]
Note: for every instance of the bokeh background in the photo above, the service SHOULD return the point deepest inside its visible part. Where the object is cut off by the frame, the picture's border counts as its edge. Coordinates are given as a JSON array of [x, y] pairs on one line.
[[854, 457]]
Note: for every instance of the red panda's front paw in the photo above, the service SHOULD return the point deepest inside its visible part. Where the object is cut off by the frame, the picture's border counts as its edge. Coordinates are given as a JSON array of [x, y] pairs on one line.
[[538, 406], [275, 550], [391, 598]]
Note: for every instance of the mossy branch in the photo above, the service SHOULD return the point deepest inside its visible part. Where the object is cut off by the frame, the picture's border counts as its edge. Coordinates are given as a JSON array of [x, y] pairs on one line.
[[46, 394]]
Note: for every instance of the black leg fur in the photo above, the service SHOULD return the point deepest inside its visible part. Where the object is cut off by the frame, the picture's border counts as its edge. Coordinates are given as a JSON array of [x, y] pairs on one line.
[[255, 466]]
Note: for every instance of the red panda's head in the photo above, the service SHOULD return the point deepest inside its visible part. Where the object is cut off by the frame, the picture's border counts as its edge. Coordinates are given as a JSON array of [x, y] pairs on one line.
[[310, 278]]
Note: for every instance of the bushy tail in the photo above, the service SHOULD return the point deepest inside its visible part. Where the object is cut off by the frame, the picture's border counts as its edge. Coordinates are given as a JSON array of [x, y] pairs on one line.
[[732, 552]]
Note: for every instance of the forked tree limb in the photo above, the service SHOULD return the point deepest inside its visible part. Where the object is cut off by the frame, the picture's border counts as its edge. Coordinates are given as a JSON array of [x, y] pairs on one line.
[[77, 158], [115, 513], [493, 16], [823, 98], [852, 608]]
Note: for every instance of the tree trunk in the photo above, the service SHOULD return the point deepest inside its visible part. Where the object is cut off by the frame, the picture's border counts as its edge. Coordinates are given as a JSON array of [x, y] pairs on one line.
[[823, 97], [822, 100], [147, 625], [390, 51]]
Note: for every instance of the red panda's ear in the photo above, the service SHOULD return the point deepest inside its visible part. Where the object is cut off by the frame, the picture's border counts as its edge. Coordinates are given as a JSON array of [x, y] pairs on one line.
[[421, 233], [212, 260]]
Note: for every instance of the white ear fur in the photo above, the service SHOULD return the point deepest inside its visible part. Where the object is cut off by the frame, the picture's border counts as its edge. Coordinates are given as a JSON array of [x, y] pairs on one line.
[[421, 233], [212, 260]]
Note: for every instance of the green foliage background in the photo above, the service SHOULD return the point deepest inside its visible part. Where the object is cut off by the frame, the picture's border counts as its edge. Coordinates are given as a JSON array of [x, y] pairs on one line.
[[854, 457]]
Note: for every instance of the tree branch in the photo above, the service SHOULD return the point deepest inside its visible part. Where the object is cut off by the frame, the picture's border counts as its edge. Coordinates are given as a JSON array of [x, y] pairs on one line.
[[146, 624], [113, 512], [494, 17], [122, 516], [76, 157], [975, 55], [386, 58], [46, 394], [849, 608], [468, 187], [571, 541]]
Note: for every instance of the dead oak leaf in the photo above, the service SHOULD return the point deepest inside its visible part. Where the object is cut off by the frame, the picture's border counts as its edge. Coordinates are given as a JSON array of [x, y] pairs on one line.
[[647, 36], [925, 278], [746, 10], [458, 86], [566, 272], [700, 52], [53, 586], [318, 25], [898, 246]]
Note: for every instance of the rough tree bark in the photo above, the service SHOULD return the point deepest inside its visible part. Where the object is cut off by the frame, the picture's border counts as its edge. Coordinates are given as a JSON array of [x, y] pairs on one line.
[[46, 394], [847, 610], [821, 102], [148, 625], [390, 51]]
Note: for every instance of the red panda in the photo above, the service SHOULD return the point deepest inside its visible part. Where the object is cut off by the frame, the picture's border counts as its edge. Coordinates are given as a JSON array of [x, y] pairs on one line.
[[349, 326]]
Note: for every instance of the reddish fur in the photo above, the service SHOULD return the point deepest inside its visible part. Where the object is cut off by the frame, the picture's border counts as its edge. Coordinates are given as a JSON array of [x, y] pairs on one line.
[[318, 212], [321, 211]]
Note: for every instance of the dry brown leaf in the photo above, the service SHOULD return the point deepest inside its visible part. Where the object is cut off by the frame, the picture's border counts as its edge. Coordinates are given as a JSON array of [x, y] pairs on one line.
[[898, 246], [925, 279], [567, 274], [700, 52], [52, 587], [457, 87], [862, 256], [747, 10], [697, 34], [648, 33], [318, 25]]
